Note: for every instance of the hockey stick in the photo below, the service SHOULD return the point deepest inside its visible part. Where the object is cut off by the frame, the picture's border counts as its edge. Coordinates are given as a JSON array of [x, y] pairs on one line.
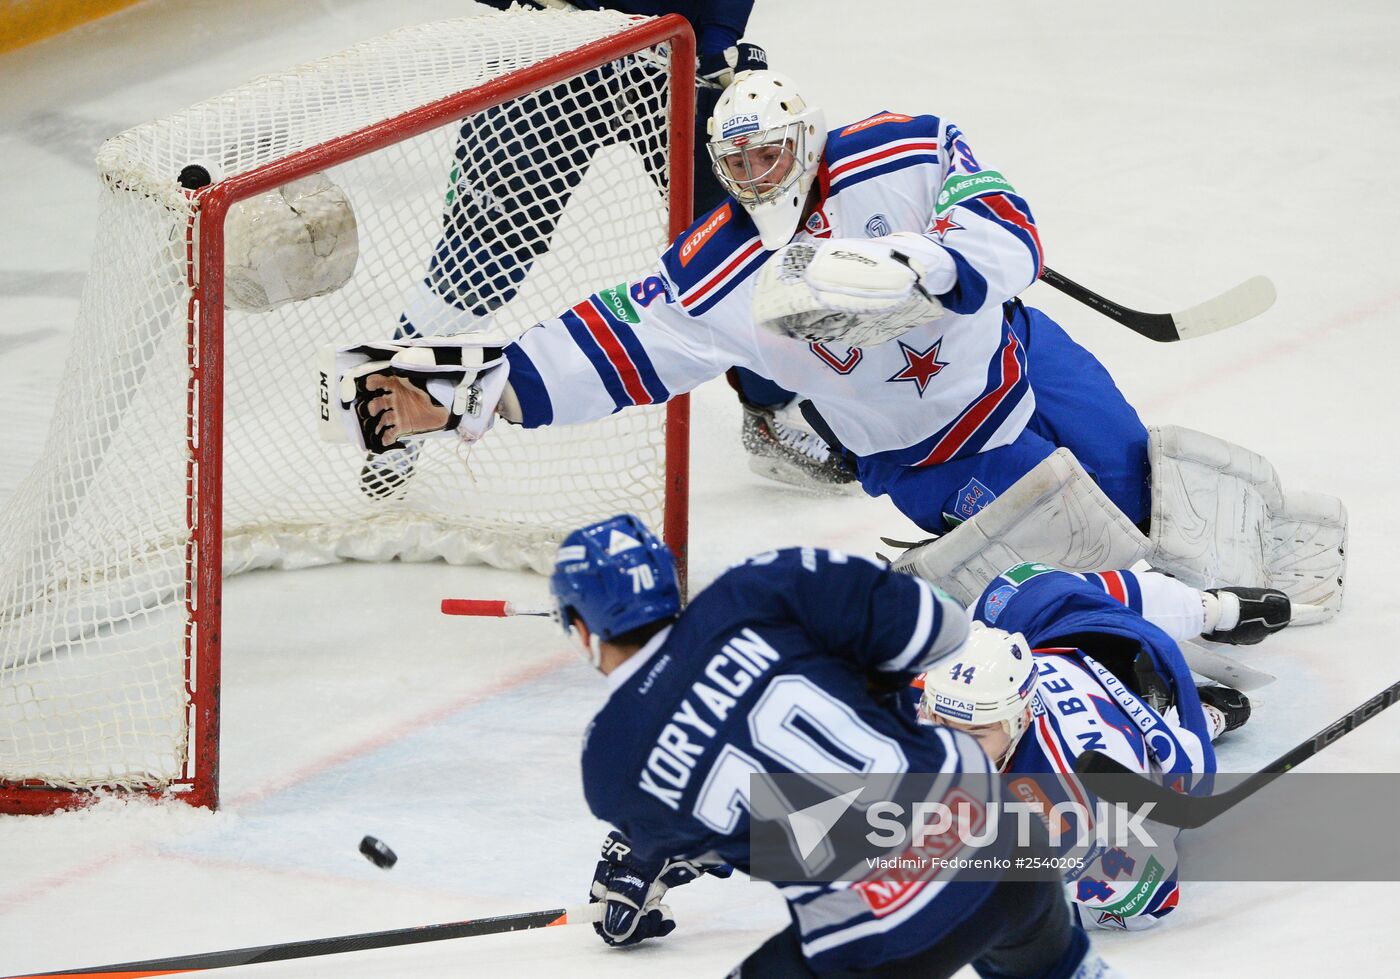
[[585, 913], [1244, 302], [1223, 669], [489, 608], [1109, 780]]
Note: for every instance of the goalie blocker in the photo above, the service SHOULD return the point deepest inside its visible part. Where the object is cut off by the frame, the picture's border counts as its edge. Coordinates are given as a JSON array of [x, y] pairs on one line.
[[376, 394], [1220, 516]]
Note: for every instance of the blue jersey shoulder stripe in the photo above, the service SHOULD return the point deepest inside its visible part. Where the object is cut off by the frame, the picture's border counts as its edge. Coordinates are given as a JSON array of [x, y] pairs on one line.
[[747, 263], [900, 161], [707, 245], [873, 131]]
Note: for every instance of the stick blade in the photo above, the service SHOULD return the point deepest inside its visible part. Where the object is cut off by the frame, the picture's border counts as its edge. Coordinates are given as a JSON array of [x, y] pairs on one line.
[[1232, 307], [1223, 669]]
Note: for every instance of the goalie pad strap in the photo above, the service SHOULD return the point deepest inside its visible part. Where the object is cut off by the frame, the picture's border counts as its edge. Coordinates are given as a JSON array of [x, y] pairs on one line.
[[1055, 514]]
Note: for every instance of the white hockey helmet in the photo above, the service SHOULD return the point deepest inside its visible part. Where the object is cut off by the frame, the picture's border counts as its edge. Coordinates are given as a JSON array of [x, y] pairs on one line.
[[766, 145], [991, 680]]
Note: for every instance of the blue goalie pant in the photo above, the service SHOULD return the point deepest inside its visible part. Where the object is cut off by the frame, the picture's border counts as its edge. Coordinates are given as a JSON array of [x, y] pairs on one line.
[[1077, 406]]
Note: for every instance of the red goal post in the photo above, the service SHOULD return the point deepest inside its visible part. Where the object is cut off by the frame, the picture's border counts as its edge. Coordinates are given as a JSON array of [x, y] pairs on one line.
[[74, 587]]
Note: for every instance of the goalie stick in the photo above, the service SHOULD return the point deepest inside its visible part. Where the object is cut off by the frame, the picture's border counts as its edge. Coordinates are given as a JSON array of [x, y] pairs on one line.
[[585, 913], [1232, 307], [1109, 780]]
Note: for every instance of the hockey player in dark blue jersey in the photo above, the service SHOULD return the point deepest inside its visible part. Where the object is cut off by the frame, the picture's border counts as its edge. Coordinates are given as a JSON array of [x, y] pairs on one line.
[[1105, 675], [770, 669]]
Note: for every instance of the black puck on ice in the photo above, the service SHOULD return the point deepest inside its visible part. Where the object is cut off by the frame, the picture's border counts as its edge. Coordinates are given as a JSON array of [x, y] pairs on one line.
[[377, 853]]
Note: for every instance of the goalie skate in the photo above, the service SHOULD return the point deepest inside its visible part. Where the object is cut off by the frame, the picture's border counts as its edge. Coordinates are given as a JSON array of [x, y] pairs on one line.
[[782, 448]]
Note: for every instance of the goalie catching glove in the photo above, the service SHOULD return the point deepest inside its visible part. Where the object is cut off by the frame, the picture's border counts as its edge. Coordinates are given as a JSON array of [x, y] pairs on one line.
[[633, 887], [373, 395], [852, 291]]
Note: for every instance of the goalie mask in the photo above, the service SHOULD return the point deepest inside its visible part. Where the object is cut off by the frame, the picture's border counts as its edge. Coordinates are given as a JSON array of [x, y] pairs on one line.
[[766, 145], [986, 689], [616, 576]]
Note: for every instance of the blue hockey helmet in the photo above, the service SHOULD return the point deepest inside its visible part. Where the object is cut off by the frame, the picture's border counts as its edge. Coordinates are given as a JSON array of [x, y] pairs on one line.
[[616, 576]]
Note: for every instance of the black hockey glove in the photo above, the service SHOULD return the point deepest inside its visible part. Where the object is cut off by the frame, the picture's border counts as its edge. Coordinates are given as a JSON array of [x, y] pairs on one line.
[[717, 70], [633, 889]]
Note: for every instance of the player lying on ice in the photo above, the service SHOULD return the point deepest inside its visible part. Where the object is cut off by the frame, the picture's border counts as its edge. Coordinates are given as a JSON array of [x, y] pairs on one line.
[[1106, 675], [874, 270], [713, 688]]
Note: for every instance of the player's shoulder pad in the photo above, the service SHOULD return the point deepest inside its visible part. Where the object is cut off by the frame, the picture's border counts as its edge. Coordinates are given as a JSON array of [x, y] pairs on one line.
[[878, 132], [880, 144], [710, 257]]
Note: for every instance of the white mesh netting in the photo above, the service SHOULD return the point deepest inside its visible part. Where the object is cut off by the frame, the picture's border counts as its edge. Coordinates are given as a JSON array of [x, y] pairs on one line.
[[545, 199]]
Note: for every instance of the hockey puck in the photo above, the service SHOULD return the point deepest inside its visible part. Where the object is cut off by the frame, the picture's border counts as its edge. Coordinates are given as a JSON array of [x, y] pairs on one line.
[[194, 177], [377, 853]]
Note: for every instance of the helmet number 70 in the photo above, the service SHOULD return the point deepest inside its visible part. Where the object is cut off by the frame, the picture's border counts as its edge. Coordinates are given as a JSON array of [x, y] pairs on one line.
[[642, 578]]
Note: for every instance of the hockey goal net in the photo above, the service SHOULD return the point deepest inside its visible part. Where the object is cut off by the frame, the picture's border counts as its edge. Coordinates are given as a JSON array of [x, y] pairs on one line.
[[184, 447]]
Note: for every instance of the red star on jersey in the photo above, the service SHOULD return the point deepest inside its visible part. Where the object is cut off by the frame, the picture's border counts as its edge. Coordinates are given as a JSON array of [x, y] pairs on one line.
[[919, 365], [941, 226]]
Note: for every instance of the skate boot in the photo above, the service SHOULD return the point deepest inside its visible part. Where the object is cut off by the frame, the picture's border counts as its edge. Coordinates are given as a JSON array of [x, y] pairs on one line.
[[1225, 708], [1246, 615], [782, 447]]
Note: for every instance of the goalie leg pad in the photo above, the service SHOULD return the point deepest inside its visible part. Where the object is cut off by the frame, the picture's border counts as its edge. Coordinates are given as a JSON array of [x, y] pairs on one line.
[[374, 394], [1306, 551], [1055, 514], [1210, 508], [1220, 517]]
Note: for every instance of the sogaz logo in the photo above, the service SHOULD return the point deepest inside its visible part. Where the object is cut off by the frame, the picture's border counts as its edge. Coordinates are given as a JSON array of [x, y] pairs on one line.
[[746, 122], [877, 227]]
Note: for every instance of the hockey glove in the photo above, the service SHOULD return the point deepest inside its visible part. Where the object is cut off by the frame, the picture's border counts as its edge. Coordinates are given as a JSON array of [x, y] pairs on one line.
[[375, 394], [852, 291], [717, 70], [633, 887]]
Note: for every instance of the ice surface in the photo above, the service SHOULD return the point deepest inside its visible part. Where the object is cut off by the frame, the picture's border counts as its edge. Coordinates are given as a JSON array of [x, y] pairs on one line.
[[1169, 152]]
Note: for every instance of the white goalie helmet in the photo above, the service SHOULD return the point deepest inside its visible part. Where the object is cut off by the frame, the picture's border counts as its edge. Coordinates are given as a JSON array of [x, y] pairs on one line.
[[991, 680], [766, 145]]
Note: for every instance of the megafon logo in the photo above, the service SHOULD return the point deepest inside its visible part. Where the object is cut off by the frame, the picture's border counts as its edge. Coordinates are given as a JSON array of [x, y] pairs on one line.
[[879, 120], [703, 234]]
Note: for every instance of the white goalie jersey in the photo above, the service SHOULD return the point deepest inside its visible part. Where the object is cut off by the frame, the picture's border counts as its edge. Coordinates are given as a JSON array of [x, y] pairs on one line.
[[955, 385]]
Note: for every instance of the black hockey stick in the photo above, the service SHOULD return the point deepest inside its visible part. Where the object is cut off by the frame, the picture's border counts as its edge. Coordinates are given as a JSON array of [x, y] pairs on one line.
[[344, 943], [1244, 302], [1109, 780]]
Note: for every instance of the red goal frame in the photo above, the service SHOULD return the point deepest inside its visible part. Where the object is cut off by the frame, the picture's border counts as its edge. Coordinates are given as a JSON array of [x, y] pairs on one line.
[[199, 783]]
